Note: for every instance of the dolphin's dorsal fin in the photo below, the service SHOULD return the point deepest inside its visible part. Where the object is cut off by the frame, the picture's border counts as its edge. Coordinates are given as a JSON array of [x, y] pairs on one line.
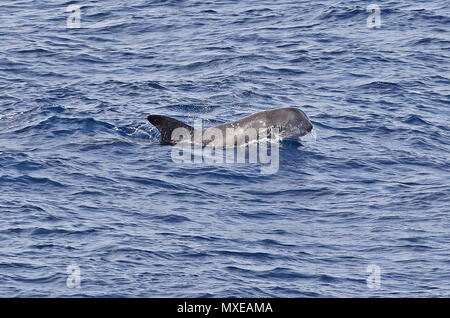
[[166, 126]]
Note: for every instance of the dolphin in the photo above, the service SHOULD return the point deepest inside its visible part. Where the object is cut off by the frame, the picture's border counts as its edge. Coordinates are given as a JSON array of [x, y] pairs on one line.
[[287, 122]]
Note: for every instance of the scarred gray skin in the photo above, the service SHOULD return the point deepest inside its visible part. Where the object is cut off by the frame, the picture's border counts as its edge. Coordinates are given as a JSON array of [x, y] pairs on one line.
[[288, 122]]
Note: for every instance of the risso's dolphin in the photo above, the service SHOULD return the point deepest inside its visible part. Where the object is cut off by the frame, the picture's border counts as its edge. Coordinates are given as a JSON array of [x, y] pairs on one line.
[[285, 122]]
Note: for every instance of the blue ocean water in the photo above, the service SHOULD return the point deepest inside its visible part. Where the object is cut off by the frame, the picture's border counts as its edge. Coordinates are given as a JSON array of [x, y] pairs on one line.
[[84, 181]]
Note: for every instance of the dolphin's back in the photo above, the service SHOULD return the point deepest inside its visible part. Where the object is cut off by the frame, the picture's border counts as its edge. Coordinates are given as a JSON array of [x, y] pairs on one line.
[[267, 119]]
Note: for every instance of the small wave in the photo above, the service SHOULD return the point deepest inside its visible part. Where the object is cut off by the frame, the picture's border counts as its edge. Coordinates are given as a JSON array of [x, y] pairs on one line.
[[428, 41], [47, 279], [58, 232], [173, 218], [415, 120], [144, 85], [65, 125], [381, 85], [32, 181]]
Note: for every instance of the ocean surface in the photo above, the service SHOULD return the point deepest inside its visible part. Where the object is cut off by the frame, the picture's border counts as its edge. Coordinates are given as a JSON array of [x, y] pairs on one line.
[[90, 199]]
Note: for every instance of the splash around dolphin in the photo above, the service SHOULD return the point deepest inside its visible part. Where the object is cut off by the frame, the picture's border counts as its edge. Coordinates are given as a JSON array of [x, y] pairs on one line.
[[285, 122]]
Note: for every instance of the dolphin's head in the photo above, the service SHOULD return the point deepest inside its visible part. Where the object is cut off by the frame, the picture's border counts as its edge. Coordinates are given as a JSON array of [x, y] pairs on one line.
[[298, 122]]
